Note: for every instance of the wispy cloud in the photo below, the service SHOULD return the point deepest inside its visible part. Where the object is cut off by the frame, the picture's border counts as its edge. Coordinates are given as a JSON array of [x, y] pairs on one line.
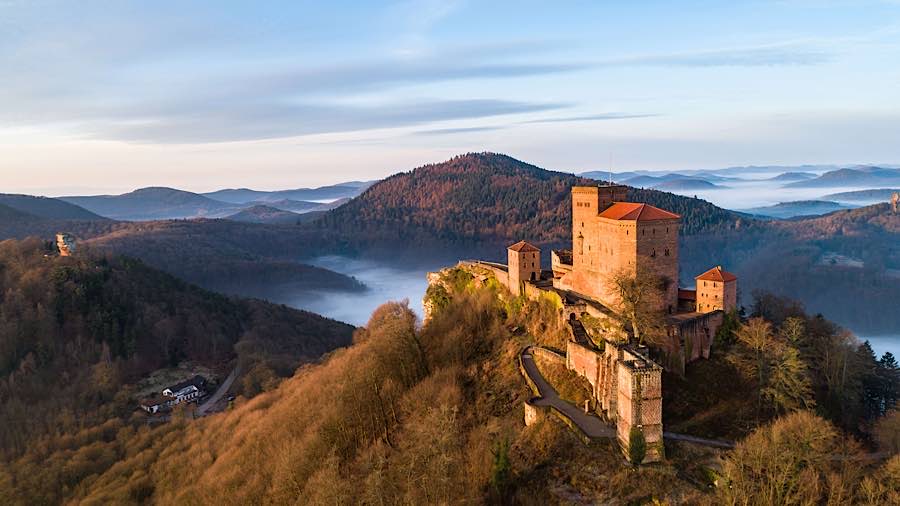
[[755, 56], [461, 130], [591, 117], [264, 121]]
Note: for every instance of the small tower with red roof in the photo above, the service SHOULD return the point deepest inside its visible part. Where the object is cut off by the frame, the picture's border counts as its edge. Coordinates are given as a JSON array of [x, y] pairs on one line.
[[524, 264], [716, 290]]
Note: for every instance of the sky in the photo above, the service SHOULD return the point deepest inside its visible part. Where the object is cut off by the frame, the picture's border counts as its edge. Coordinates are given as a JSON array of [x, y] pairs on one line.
[[106, 97]]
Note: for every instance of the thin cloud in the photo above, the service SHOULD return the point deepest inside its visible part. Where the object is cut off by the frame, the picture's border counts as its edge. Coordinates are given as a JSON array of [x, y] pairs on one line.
[[756, 56], [266, 121], [591, 117], [463, 130]]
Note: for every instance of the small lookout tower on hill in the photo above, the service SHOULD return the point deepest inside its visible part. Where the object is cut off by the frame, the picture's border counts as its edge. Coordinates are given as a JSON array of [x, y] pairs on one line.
[[65, 243], [895, 201], [524, 263]]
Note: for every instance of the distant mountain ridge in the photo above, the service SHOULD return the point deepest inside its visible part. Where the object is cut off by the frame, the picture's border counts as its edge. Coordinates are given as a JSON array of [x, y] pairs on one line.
[[861, 176], [784, 210], [687, 184], [794, 176], [245, 195], [264, 214], [152, 203], [46, 207], [163, 203], [876, 195]]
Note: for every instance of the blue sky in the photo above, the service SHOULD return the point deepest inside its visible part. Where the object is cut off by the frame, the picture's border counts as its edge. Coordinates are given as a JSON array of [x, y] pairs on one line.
[[110, 96]]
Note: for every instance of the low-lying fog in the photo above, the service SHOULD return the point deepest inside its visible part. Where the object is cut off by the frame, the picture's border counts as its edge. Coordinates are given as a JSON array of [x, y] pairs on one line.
[[389, 283], [385, 283], [746, 195]]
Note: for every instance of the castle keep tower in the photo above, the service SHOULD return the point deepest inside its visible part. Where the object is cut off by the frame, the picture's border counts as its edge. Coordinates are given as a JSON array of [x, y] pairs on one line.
[[716, 289], [524, 263], [610, 235]]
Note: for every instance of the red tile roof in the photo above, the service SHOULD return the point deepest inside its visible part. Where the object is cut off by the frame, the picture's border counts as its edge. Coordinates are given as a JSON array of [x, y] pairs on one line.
[[717, 274], [523, 246], [632, 211]]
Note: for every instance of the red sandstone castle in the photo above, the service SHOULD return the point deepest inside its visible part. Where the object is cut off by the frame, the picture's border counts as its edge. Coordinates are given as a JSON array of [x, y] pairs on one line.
[[610, 235]]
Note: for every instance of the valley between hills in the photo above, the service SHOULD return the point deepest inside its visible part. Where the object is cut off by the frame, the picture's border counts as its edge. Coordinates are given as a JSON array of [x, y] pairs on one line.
[[368, 415]]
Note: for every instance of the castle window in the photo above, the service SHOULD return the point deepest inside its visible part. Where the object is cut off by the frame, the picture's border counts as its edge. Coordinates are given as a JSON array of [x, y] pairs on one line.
[[667, 252], [587, 204], [714, 284], [667, 230], [704, 283], [653, 255]]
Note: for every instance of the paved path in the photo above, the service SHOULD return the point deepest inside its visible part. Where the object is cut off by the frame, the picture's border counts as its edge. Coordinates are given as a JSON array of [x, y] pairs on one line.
[[698, 440], [591, 425], [214, 398]]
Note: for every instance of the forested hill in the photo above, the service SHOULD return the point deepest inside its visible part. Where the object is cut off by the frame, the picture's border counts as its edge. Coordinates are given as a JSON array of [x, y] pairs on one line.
[[485, 198], [75, 331]]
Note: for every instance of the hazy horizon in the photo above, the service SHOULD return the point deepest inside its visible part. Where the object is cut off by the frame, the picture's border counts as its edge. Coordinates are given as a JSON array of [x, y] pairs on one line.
[[104, 98], [212, 187]]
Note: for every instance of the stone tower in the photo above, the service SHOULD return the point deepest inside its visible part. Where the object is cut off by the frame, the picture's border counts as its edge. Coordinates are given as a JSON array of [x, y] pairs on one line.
[[895, 201], [65, 243], [716, 289], [609, 236], [524, 264]]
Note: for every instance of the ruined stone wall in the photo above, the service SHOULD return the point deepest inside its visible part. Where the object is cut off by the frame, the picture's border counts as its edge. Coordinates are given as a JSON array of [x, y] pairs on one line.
[[640, 406], [695, 337], [548, 355], [585, 362]]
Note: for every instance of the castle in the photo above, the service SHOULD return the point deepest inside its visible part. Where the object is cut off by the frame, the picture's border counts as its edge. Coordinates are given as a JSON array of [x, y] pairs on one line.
[[611, 236]]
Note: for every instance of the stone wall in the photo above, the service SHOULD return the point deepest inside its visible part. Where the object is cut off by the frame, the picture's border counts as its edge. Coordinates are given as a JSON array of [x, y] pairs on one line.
[[549, 355]]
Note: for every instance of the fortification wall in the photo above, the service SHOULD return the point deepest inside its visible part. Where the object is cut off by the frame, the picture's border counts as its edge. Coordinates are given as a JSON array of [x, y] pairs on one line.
[[585, 362], [549, 355]]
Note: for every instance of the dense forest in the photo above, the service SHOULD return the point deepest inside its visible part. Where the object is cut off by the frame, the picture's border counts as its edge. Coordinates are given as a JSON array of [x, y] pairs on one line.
[[239, 258], [433, 415], [481, 201], [75, 332], [472, 206]]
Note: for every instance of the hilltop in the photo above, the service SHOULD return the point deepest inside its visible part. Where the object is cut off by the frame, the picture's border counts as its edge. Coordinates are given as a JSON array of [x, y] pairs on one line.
[[49, 208], [154, 203], [264, 214], [79, 330], [481, 201]]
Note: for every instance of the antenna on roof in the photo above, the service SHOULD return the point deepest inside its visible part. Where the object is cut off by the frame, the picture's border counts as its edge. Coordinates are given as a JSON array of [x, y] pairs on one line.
[[610, 169]]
